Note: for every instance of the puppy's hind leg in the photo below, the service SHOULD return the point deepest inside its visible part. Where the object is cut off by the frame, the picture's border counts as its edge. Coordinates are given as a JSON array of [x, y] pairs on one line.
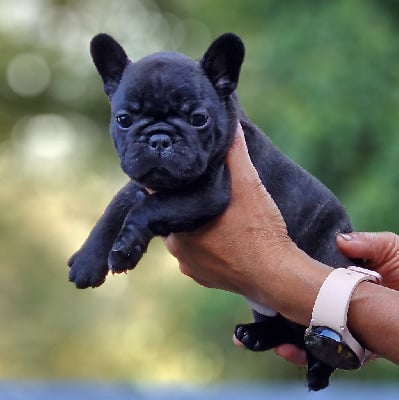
[[318, 375], [266, 334], [273, 331]]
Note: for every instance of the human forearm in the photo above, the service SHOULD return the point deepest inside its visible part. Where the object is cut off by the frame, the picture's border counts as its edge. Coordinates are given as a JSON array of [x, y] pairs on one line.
[[372, 318], [292, 288], [372, 310]]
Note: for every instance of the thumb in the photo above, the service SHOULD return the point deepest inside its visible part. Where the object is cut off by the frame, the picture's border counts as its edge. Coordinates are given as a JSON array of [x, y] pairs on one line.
[[248, 191], [243, 173]]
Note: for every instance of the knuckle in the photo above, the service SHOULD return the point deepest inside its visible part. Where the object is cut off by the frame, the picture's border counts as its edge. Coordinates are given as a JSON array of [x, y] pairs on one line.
[[385, 245], [394, 248], [172, 245], [184, 269]]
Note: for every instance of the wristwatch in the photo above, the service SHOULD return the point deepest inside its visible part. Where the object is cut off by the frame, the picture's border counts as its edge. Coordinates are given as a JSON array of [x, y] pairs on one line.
[[327, 338]]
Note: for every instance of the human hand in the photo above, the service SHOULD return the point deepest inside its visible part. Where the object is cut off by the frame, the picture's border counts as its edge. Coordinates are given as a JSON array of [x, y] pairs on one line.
[[225, 253], [208, 256], [292, 354], [379, 250]]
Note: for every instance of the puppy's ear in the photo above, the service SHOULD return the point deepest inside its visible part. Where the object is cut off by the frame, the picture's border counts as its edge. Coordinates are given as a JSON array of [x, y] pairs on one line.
[[222, 62], [110, 60]]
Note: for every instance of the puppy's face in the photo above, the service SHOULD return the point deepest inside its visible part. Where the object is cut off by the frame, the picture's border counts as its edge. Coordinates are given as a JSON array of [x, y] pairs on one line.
[[169, 118], [166, 118]]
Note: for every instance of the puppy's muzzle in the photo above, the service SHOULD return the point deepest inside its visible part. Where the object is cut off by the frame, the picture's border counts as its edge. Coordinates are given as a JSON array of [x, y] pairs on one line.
[[160, 141], [159, 137]]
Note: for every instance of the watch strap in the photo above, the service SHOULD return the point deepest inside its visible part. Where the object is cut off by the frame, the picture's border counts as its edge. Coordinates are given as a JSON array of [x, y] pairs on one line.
[[332, 302]]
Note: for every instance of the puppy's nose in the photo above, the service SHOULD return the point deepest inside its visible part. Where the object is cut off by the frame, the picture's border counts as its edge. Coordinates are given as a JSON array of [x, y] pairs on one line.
[[160, 141]]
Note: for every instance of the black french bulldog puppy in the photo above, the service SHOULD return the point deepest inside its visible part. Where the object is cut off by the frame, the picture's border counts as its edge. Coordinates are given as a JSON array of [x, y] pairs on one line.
[[173, 120]]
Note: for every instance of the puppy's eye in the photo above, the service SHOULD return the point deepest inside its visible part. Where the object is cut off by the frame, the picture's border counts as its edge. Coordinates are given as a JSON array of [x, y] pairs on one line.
[[124, 121], [198, 120]]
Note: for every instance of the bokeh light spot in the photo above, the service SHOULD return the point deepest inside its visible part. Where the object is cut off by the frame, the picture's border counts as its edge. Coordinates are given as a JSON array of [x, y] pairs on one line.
[[44, 143], [28, 74]]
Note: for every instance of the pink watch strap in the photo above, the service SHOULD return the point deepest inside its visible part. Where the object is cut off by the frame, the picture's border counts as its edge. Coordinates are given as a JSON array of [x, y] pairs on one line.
[[332, 302]]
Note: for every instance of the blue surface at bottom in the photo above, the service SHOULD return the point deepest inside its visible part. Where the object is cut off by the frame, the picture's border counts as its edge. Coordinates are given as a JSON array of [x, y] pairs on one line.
[[56, 390]]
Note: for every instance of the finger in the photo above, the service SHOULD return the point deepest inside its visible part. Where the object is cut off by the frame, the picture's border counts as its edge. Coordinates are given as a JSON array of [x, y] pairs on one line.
[[378, 248], [172, 244], [237, 342], [291, 353], [185, 270]]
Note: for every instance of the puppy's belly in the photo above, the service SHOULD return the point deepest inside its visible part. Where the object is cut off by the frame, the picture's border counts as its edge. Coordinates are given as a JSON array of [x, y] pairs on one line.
[[261, 308]]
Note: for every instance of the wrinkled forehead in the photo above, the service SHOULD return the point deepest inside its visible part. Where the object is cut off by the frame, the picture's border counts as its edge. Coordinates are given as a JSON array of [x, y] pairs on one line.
[[165, 75], [167, 62]]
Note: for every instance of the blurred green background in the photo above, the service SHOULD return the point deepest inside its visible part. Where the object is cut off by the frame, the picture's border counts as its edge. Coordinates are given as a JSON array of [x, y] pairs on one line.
[[321, 77]]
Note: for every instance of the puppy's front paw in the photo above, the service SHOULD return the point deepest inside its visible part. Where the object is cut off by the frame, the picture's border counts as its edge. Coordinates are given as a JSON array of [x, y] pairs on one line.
[[121, 258], [87, 269], [127, 250]]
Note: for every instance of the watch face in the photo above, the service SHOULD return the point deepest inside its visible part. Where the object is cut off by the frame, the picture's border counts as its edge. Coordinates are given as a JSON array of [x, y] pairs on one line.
[[327, 346]]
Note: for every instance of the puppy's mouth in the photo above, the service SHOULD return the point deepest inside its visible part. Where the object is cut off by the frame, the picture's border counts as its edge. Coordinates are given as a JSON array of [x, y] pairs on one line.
[[158, 178]]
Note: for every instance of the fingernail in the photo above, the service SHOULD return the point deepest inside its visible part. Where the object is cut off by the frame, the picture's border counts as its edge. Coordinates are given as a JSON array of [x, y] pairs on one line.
[[345, 236]]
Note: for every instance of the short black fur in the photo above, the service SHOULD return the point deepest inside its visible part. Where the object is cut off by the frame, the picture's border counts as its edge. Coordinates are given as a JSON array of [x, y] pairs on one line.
[[172, 122]]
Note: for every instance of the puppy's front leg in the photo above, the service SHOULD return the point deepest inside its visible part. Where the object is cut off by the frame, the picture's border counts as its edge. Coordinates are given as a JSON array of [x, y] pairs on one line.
[[89, 265], [165, 212]]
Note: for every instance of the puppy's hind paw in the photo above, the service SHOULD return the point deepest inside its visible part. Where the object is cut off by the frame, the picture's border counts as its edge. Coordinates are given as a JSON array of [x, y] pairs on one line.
[[318, 375], [315, 385], [250, 338]]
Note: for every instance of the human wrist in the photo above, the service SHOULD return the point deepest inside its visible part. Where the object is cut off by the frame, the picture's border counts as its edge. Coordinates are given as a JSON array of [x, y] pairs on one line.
[[291, 287]]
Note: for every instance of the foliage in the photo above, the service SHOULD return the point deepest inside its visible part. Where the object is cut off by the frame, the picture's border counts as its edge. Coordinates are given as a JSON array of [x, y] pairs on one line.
[[320, 77]]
